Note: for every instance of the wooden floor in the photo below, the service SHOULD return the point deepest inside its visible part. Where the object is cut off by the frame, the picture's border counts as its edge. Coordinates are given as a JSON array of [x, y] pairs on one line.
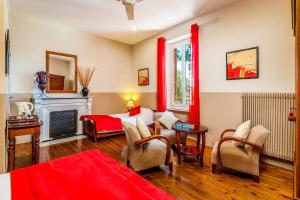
[[189, 181]]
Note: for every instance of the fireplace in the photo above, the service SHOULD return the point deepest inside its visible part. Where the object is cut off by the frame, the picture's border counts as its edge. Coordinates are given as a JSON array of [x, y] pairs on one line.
[[63, 124], [60, 115]]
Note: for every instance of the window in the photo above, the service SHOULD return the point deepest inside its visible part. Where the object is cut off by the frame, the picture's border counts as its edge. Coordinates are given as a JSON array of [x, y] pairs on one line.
[[179, 57]]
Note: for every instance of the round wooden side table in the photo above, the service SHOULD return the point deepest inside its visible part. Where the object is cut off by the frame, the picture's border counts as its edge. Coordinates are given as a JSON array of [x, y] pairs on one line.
[[199, 131]]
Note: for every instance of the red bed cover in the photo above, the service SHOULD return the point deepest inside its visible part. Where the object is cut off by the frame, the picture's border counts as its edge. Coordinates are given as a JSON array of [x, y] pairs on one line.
[[88, 175], [105, 122]]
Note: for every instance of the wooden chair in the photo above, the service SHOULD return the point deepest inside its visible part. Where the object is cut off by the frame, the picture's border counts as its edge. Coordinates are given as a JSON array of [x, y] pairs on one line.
[[147, 152], [244, 159]]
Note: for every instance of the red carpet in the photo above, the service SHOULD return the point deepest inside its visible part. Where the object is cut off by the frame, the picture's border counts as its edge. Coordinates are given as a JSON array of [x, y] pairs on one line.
[[85, 176]]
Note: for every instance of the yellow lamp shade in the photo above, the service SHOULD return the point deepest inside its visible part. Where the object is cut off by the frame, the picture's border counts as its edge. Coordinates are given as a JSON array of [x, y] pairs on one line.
[[130, 104]]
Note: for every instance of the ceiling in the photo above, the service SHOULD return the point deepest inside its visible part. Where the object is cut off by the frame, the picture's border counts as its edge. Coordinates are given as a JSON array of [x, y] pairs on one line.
[[107, 18]]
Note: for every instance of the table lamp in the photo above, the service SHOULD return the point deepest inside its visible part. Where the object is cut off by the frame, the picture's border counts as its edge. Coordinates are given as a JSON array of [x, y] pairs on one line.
[[130, 105]]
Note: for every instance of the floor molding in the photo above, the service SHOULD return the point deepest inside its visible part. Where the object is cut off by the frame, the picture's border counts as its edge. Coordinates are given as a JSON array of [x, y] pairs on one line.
[[48, 143]]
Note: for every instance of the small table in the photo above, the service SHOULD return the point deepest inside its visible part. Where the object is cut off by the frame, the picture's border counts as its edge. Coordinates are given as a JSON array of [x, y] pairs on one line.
[[200, 131], [19, 129]]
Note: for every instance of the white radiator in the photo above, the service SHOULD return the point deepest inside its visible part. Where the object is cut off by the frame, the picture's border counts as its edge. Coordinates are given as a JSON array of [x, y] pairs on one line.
[[272, 110]]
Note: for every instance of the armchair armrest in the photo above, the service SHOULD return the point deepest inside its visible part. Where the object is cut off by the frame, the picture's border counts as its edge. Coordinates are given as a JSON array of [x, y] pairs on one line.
[[226, 131], [152, 125], [256, 147], [151, 131], [143, 141], [157, 128]]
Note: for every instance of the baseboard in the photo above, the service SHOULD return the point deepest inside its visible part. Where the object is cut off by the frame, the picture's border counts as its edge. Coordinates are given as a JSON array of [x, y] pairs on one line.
[[52, 142]]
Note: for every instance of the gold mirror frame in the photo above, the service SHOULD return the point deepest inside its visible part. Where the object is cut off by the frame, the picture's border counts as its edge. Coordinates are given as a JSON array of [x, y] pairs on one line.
[[48, 53]]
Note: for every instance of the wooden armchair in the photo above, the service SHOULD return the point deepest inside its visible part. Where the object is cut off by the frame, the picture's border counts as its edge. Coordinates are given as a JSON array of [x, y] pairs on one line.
[[168, 133], [244, 159], [147, 152]]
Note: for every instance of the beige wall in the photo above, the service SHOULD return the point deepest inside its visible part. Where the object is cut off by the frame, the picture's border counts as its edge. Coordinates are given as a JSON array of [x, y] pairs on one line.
[[3, 84], [245, 24], [30, 38], [249, 23], [219, 111]]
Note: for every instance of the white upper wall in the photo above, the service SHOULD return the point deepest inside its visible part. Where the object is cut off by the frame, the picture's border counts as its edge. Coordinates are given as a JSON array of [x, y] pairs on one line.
[[263, 23], [31, 38]]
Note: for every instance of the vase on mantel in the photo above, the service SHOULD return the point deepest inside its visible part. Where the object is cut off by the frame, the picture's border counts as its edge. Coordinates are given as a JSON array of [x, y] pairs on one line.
[[85, 92]]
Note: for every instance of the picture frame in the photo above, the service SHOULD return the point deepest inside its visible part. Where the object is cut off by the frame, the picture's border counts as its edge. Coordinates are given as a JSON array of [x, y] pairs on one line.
[[7, 52], [242, 64], [293, 8], [143, 77]]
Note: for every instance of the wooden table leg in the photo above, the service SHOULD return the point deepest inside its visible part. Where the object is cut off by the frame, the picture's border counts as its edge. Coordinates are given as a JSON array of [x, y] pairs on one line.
[[198, 144], [33, 148], [178, 147], [202, 148], [37, 144], [11, 153]]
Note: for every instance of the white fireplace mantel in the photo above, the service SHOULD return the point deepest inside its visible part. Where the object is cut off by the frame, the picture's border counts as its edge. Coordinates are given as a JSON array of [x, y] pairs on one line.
[[45, 105]]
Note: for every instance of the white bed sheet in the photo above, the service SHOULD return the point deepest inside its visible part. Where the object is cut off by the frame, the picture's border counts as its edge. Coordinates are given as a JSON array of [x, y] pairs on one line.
[[5, 186], [146, 115]]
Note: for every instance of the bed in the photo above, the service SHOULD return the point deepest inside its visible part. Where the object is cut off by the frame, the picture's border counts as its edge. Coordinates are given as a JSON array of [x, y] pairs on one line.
[[88, 175], [110, 125]]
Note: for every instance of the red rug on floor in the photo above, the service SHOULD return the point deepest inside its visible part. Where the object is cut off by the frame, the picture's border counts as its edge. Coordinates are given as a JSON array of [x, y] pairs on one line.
[[85, 176]]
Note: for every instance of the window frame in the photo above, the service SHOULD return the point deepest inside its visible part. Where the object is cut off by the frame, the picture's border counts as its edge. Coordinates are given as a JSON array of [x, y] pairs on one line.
[[171, 73]]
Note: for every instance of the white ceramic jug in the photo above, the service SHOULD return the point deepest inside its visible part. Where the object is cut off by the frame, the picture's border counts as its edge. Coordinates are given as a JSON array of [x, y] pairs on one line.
[[24, 108]]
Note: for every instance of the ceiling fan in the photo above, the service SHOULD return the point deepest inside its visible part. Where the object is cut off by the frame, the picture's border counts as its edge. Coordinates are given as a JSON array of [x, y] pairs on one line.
[[129, 6]]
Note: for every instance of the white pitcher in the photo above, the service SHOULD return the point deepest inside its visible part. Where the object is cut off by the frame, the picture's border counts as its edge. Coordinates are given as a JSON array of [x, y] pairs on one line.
[[24, 108]]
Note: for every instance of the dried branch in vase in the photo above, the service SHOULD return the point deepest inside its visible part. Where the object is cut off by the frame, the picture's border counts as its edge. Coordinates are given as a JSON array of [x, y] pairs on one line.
[[85, 75]]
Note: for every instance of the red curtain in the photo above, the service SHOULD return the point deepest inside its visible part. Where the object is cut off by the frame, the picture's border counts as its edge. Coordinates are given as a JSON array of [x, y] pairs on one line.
[[161, 75], [194, 115]]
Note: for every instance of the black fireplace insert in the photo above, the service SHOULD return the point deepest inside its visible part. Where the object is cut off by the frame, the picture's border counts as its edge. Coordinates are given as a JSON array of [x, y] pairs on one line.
[[63, 124]]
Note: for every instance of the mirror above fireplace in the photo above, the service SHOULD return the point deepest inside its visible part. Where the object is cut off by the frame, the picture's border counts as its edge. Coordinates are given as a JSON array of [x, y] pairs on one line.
[[62, 72]]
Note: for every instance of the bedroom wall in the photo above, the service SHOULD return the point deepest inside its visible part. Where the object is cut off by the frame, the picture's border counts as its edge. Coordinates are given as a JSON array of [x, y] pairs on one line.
[[3, 84], [30, 38], [246, 24]]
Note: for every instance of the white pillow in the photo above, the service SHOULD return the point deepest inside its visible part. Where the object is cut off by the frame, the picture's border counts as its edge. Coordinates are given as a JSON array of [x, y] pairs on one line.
[[143, 129], [242, 133], [168, 120]]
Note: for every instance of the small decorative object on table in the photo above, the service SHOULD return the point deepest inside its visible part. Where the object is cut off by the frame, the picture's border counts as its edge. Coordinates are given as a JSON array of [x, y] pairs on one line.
[[22, 120], [85, 76], [42, 80], [184, 126], [24, 108]]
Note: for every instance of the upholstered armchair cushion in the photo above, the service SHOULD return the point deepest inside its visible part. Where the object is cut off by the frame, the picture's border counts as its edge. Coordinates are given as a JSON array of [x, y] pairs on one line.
[[168, 120], [143, 129], [258, 136], [242, 132], [132, 133], [171, 135], [236, 158], [153, 154], [145, 155], [158, 115]]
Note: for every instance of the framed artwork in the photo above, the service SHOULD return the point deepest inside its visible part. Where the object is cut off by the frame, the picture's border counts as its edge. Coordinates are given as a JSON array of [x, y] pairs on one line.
[[293, 3], [143, 77], [242, 64], [7, 52]]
